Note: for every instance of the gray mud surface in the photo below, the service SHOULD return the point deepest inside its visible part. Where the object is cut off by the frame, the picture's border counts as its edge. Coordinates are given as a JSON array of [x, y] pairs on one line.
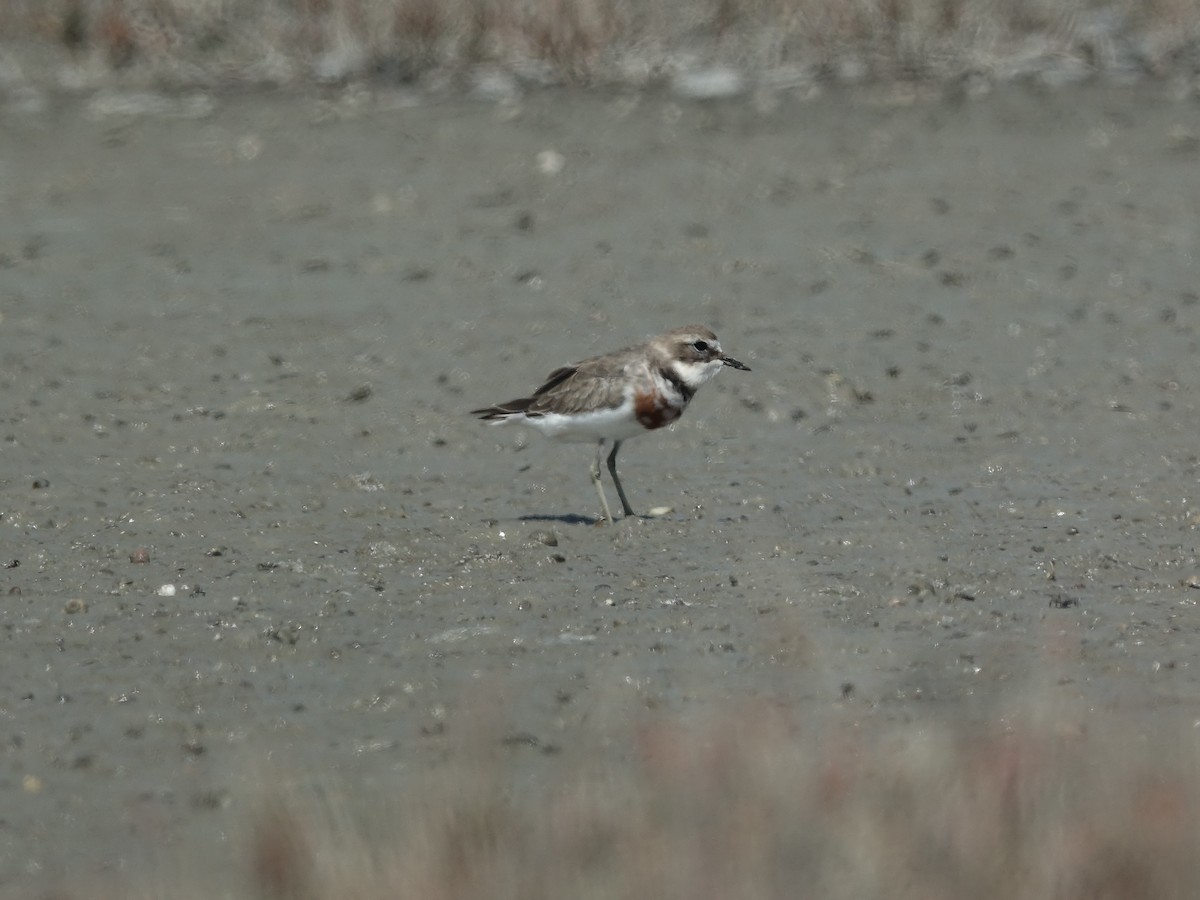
[[236, 357]]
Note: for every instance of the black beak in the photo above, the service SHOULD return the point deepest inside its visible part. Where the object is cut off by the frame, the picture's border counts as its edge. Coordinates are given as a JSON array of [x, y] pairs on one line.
[[730, 361]]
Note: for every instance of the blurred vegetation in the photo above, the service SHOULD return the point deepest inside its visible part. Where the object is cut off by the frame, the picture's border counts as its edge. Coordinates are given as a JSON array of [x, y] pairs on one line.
[[278, 42]]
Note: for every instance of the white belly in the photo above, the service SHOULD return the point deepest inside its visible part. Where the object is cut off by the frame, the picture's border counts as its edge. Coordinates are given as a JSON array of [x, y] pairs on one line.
[[617, 424]]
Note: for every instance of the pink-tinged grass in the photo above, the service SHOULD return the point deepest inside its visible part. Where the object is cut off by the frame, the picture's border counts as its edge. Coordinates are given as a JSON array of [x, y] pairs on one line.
[[217, 42], [755, 804]]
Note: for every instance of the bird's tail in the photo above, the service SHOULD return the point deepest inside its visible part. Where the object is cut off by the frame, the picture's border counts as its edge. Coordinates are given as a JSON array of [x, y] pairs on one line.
[[502, 411]]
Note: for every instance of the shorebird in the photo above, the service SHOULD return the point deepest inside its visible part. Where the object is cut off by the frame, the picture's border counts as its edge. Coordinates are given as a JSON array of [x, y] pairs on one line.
[[619, 395]]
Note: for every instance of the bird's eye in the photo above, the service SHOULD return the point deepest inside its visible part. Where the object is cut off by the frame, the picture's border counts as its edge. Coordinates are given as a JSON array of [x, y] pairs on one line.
[[701, 346]]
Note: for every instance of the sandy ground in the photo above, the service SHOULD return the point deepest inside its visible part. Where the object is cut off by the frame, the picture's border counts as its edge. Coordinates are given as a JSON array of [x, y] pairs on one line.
[[250, 534]]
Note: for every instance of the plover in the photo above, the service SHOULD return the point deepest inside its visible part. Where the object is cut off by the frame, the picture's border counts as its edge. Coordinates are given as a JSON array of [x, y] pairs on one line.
[[620, 395]]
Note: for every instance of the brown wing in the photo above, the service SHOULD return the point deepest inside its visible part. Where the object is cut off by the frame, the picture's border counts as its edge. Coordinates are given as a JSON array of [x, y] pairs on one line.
[[524, 404], [586, 386], [596, 383], [555, 378]]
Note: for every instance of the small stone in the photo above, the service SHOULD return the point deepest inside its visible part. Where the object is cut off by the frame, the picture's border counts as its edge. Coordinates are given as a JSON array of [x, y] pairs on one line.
[[167, 590], [657, 512], [140, 556], [75, 605], [550, 162], [714, 83]]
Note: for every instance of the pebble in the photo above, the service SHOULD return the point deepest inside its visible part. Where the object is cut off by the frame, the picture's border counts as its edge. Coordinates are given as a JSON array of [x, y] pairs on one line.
[[550, 162], [714, 83]]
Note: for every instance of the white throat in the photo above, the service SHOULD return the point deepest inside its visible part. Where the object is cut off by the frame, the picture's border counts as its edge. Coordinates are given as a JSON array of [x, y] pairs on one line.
[[694, 374]]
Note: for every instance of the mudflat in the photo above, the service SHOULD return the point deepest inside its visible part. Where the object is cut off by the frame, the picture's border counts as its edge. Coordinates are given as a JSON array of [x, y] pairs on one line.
[[251, 536]]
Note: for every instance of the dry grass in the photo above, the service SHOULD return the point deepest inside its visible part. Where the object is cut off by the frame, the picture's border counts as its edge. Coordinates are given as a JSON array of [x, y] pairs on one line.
[[222, 42], [757, 806]]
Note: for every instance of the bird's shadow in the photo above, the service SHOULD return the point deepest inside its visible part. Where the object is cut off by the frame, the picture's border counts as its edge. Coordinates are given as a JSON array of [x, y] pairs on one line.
[[563, 519], [570, 518]]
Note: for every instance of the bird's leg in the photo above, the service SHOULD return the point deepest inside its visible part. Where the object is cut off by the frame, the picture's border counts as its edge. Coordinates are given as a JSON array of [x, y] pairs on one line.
[[612, 470], [595, 473]]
